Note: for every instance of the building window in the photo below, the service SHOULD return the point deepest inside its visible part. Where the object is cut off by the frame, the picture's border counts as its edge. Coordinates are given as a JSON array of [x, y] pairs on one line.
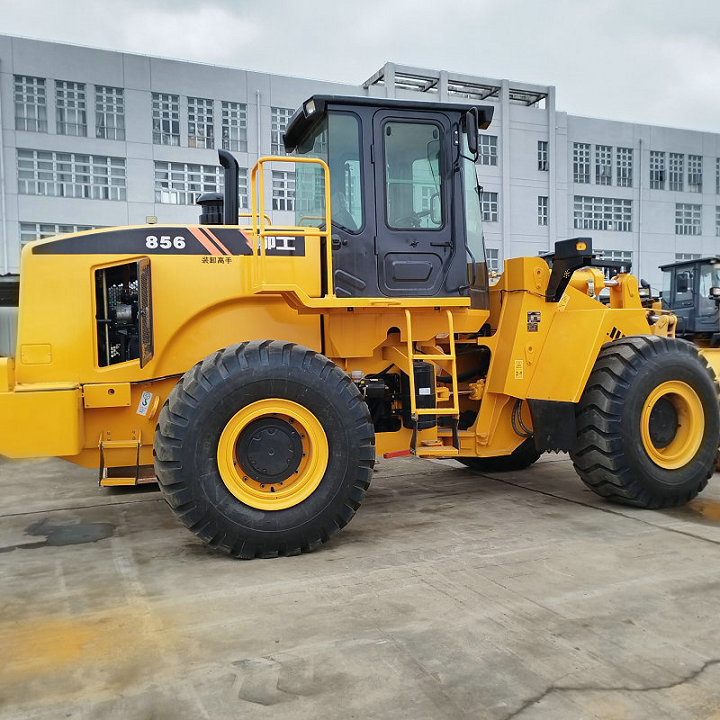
[[234, 126], [109, 113], [717, 221], [677, 170], [542, 210], [201, 126], [492, 256], [489, 206], [623, 256], [657, 170], [600, 213], [624, 167], [543, 162], [487, 149], [243, 188], [695, 170], [30, 104], [717, 176], [166, 119], [682, 257], [581, 162], [182, 183], [283, 190], [71, 175], [688, 219], [38, 231], [71, 109], [279, 118], [603, 164]]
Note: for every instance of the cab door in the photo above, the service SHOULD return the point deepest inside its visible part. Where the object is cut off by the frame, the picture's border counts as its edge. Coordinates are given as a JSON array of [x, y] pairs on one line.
[[413, 202]]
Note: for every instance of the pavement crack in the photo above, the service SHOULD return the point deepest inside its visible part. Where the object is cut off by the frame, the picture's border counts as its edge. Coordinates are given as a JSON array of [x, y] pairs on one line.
[[608, 510], [610, 688], [46, 511]]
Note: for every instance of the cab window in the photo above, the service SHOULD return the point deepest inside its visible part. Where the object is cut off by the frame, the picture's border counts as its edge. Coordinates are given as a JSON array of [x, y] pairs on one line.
[[684, 280], [413, 186], [336, 140]]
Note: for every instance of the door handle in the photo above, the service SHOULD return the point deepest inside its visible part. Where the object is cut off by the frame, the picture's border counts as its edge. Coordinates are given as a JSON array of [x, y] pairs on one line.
[[335, 242], [444, 243]]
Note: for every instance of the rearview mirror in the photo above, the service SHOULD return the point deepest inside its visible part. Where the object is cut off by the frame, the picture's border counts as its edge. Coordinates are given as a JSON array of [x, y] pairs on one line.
[[471, 129], [715, 293]]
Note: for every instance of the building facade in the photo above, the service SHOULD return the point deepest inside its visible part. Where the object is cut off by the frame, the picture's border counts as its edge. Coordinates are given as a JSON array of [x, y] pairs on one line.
[[91, 138]]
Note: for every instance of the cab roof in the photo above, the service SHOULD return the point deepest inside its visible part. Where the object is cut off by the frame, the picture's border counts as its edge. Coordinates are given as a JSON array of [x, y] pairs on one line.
[[696, 261], [314, 107]]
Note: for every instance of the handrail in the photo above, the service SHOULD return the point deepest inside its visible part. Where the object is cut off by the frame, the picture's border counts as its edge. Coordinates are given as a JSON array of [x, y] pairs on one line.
[[249, 215], [259, 227]]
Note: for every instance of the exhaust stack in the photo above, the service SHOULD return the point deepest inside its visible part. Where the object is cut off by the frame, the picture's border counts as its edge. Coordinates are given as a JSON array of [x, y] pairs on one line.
[[231, 187]]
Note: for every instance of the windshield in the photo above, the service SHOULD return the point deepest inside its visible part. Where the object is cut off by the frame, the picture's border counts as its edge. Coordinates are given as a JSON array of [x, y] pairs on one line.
[[666, 289], [336, 140]]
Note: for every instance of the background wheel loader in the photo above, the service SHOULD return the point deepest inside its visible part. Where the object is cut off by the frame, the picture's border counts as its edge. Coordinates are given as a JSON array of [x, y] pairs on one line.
[[261, 369], [691, 292]]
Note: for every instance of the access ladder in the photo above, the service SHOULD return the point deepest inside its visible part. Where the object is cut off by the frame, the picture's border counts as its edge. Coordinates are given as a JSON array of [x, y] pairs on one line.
[[453, 412]]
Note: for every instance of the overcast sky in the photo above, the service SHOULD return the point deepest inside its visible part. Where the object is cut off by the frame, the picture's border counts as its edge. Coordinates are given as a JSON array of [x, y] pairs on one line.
[[634, 60]]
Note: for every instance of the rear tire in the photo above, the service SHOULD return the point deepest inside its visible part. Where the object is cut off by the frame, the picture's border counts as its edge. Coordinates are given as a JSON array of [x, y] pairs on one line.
[[264, 449], [522, 457], [648, 423]]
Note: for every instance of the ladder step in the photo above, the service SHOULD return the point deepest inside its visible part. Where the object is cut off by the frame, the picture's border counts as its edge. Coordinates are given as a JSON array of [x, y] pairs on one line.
[[439, 451], [118, 482], [433, 357], [436, 411], [451, 358]]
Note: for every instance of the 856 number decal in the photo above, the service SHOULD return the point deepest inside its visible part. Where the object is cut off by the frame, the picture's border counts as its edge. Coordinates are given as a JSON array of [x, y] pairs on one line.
[[164, 242]]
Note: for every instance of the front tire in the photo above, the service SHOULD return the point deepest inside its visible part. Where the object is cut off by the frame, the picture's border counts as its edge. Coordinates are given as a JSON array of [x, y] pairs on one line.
[[264, 449], [648, 423]]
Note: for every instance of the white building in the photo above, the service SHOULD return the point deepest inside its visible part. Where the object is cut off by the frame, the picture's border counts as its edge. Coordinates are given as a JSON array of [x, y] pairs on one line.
[[94, 138]]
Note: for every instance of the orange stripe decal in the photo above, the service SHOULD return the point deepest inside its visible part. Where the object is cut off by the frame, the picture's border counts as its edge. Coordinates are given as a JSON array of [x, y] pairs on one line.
[[247, 239], [220, 245], [204, 241]]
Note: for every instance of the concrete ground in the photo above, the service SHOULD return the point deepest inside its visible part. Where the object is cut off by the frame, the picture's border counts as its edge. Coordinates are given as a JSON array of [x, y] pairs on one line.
[[449, 596]]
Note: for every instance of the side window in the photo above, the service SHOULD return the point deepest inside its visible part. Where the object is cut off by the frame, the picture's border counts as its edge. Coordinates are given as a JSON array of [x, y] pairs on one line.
[[412, 176], [684, 286], [708, 279], [346, 186], [336, 141]]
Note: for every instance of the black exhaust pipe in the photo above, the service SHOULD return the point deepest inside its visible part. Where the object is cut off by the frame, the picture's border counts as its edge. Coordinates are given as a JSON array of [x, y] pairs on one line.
[[231, 187]]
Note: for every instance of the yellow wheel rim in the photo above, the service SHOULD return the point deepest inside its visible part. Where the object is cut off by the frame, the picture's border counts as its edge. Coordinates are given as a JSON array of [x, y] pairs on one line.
[[679, 449], [301, 441]]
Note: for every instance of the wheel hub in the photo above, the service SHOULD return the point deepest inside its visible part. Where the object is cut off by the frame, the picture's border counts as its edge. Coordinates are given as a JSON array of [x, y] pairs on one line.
[[663, 423], [272, 454], [672, 424], [269, 450]]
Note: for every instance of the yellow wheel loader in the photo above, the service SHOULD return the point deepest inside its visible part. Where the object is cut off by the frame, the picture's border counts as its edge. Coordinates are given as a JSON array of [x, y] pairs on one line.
[[258, 370]]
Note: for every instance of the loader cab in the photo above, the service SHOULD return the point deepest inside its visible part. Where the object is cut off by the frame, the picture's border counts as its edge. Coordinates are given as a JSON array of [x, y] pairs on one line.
[[691, 289], [405, 201]]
